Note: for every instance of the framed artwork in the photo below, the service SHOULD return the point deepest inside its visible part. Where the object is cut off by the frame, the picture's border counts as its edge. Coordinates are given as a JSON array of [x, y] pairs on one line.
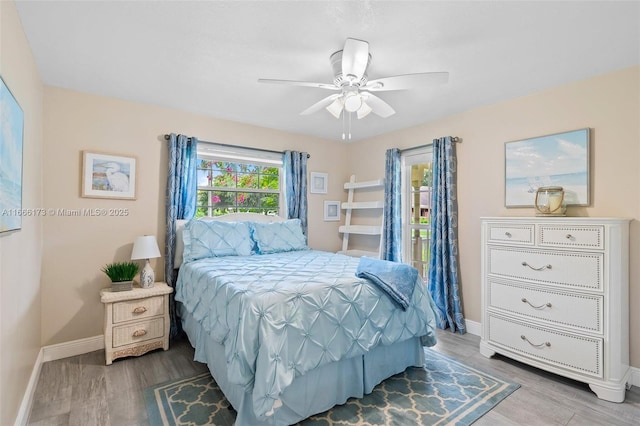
[[560, 159], [319, 183], [108, 176], [11, 143], [331, 211]]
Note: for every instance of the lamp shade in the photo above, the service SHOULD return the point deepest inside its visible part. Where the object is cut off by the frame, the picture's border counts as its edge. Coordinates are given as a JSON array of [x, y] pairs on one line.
[[145, 248]]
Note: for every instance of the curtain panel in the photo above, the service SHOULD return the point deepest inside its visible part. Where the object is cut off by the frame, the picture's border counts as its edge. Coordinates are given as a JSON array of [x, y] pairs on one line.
[[392, 213], [443, 263], [294, 164], [180, 204]]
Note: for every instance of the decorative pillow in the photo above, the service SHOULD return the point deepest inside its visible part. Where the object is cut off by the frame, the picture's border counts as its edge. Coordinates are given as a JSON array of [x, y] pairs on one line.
[[277, 237], [179, 250], [214, 238]]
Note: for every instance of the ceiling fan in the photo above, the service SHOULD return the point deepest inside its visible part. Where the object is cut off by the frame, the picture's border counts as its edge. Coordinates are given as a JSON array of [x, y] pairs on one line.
[[355, 89]]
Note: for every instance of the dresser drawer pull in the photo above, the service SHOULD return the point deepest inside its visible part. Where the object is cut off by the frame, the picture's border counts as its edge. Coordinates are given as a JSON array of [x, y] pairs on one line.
[[139, 333], [140, 310], [542, 268], [507, 234], [547, 305], [569, 237], [547, 344]]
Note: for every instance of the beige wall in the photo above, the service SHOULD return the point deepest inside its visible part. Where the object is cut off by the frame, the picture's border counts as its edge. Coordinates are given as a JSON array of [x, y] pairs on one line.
[[75, 248], [20, 252], [609, 104]]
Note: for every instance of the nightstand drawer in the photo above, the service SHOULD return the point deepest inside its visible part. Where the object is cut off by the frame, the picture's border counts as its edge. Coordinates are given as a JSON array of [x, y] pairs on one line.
[[138, 309], [138, 332], [509, 233], [560, 308], [580, 237], [575, 352]]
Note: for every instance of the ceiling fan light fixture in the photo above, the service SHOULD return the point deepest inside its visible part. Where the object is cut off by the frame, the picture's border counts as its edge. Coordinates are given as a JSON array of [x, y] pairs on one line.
[[352, 101], [364, 110], [336, 107]]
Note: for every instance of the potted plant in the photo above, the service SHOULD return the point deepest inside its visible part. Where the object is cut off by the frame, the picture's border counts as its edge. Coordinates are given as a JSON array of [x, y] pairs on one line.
[[121, 275]]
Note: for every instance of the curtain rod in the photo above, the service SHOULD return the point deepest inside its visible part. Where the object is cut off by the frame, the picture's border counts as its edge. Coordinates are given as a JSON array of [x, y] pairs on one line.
[[453, 139], [166, 137]]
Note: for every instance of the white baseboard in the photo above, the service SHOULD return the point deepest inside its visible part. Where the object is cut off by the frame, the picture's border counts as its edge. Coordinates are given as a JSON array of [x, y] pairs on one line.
[[52, 353], [27, 399], [73, 348], [473, 327], [634, 379]]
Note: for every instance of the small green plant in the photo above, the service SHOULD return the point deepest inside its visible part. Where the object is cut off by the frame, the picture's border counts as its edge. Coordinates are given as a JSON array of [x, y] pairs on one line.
[[120, 271]]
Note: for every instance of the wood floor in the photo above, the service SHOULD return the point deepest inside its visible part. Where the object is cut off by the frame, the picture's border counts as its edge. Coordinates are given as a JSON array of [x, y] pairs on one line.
[[82, 391]]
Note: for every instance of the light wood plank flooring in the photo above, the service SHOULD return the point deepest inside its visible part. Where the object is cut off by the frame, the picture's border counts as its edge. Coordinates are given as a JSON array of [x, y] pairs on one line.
[[81, 390]]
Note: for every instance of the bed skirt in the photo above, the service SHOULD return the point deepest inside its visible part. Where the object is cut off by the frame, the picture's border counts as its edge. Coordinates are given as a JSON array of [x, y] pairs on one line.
[[314, 392]]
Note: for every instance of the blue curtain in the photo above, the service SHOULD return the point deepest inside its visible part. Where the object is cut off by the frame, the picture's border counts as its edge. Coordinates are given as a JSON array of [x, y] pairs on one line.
[[443, 263], [180, 203], [295, 178], [392, 213]]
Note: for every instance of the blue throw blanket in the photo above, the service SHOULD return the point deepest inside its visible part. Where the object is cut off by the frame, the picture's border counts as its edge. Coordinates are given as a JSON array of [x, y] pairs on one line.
[[396, 279]]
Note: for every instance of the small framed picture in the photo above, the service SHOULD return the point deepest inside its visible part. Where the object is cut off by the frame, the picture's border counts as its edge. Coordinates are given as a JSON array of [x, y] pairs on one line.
[[331, 211], [108, 176], [319, 183]]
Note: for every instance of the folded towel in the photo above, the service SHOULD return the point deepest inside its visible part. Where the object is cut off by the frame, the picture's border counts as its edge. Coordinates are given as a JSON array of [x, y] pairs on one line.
[[396, 279]]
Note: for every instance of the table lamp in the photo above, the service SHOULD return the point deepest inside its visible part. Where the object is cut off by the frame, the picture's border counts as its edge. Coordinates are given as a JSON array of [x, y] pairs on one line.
[[146, 247]]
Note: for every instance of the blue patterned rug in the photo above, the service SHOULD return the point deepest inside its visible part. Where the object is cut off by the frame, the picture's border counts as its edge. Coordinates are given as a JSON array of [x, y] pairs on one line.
[[445, 392]]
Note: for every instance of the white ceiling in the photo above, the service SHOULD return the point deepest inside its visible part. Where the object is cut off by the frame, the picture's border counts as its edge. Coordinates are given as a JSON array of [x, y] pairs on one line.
[[206, 56]]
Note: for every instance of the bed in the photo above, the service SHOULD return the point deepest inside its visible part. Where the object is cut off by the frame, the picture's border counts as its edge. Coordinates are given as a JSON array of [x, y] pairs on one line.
[[286, 331]]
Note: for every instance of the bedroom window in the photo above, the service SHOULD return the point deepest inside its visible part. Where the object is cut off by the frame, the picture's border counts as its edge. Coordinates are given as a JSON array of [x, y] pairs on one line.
[[416, 203], [238, 183]]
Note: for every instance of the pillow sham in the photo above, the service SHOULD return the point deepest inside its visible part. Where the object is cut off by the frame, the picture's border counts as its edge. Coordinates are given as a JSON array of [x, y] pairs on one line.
[[276, 237], [214, 238]]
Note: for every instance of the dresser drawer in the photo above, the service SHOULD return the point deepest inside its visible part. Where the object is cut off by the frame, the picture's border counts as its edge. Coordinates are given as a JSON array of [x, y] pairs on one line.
[[510, 233], [575, 352], [587, 237], [137, 309], [567, 269], [138, 332], [581, 311]]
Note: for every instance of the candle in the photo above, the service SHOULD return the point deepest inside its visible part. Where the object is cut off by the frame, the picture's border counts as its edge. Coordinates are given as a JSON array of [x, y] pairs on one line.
[[555, 200]]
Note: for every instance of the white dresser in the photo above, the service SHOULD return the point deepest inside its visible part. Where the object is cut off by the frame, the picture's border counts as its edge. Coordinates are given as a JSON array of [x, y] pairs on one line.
[[555, 295]]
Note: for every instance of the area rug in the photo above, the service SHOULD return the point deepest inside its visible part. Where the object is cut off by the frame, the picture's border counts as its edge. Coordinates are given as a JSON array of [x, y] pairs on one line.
[[444, 392]]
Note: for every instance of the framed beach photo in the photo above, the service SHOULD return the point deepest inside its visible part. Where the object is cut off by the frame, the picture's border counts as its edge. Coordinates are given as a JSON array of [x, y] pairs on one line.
[[560, 159], [319, 183], [108, 176], [11, 143]]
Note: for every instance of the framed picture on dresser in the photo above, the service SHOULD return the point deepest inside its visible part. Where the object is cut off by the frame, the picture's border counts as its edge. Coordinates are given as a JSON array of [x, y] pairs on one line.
[[559, 159]]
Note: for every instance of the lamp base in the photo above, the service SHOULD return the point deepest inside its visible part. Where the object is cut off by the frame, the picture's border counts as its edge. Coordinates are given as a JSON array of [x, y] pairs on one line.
[[147, 277]]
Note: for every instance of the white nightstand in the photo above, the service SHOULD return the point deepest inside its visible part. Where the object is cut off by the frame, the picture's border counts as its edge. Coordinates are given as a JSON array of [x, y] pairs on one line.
[[136, 321]]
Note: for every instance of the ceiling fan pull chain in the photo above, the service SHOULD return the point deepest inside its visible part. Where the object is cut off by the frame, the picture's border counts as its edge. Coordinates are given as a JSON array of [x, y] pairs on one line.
[[349, 126], [343, 126]]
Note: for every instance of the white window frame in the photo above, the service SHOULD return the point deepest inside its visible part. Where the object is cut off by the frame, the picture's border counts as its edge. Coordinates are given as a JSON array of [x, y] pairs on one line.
[[214, 152], [407, 159]]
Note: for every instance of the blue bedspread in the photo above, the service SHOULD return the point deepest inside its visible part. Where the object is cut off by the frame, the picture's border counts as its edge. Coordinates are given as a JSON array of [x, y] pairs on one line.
[[396, 279], [281, 315]]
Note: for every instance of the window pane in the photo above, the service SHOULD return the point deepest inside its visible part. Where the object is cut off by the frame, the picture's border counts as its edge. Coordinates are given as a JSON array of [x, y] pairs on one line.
[[420, 203], [223, 178], [204, 177], [247, 180], [269, 181]]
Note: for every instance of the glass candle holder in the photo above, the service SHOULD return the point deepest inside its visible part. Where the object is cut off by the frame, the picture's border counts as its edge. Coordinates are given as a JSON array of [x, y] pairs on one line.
[[550, 201]]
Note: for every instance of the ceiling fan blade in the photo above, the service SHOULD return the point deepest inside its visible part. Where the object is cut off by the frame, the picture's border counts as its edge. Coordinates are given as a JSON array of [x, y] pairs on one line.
[[300, 83], [379, 106], [355, 57], [407, 81], [321, 104]]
